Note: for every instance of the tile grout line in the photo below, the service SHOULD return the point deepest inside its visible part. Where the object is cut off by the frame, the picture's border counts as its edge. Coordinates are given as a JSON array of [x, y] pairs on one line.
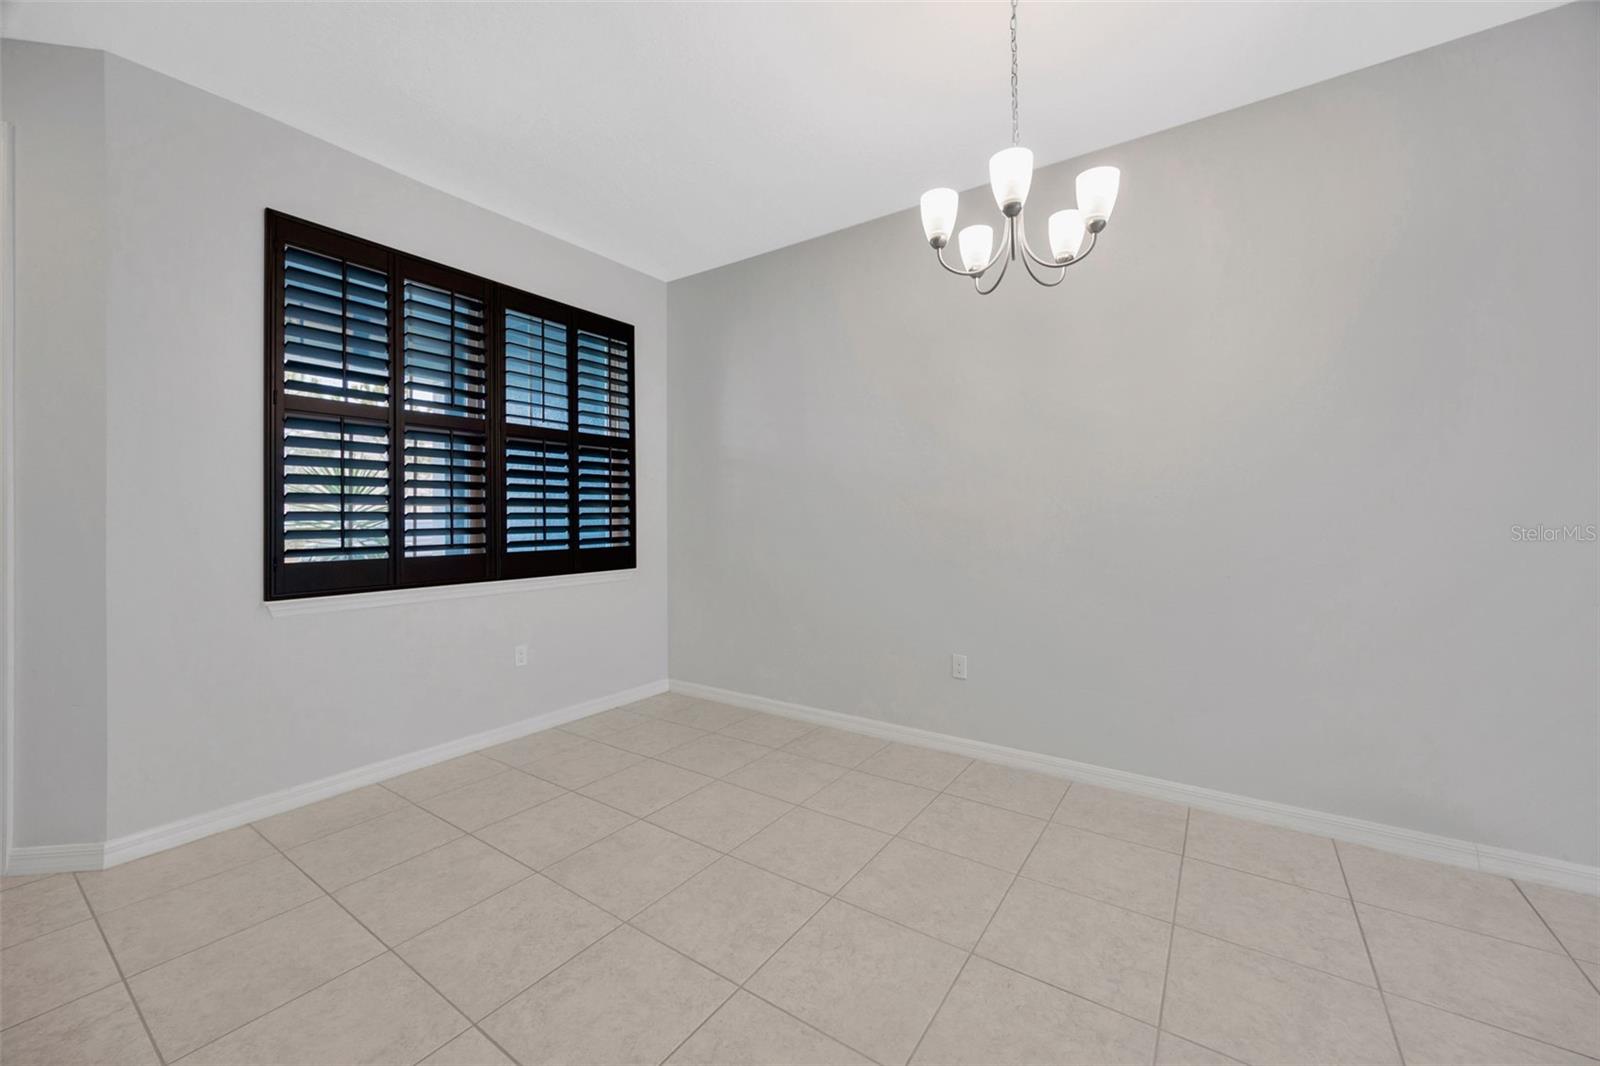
[[383, 869], [171, 888], [1209, 935], [388, 950], [280, 853], [1551, 930], [126, 988], [180, 955], [1269, 877], [323, 836], [505, 768], [253, 925], [52, 929], [926, 1029], [629, 921], [1394, 1034], [1016, 875], [1172, 935], [265, 918], [830, 897], [1562, 954], [1075, 995], [740, 986], [1487, 1025]]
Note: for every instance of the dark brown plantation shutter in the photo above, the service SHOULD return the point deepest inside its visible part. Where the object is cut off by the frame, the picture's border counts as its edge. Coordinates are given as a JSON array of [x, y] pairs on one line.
[[536, 436], [536, 371], [538, 497], [605, 509], [329, 327], [335, 329], [445, 361], [445, 493], [605, 498], [335, 489], [426, 426], [444, 415], [604, 385]]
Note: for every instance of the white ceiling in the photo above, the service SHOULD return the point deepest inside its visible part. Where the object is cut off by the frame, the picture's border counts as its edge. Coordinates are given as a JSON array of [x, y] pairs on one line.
[[676, 137]]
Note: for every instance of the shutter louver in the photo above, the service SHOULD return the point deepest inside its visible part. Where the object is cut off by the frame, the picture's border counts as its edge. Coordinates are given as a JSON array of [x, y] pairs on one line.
[[538, 496], [445, 368], [536, 371], [603, 386], [335, 329], [444, 493], [605, 497], [335, 490]]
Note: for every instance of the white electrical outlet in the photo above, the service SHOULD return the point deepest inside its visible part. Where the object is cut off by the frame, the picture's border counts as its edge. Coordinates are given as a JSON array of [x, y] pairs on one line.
[[958, 667], [521, 653]]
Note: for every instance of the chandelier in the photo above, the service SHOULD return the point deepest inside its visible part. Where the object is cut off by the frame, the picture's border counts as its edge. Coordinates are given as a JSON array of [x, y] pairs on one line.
[[1010, 174]]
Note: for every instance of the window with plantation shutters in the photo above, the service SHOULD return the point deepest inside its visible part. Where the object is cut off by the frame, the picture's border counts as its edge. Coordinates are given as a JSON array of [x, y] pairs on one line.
[[428, 426]]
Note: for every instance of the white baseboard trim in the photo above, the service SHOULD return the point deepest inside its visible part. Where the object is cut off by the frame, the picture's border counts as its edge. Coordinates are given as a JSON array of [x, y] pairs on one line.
[[54, 858], [1508, 863]]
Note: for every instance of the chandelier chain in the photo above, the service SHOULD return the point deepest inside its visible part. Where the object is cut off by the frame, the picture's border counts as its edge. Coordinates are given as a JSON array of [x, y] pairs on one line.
[[1016, 137]]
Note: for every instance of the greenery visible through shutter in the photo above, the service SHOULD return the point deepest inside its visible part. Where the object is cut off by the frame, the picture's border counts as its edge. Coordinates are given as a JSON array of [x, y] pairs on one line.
[[444, 493], [335, 490]]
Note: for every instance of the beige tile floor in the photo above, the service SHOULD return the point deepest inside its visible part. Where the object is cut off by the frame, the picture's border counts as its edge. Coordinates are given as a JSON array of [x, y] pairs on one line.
[[680, 881]]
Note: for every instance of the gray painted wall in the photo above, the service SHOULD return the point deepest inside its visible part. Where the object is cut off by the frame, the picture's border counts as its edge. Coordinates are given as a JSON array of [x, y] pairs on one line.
[[140, 562], [1233, 506], [56, 100]]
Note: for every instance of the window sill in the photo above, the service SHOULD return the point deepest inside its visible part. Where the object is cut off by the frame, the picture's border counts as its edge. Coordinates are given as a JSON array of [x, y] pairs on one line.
[[356, 601]]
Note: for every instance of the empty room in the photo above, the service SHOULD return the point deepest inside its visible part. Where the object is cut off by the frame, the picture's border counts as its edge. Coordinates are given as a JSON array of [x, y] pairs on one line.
[[595, 534]]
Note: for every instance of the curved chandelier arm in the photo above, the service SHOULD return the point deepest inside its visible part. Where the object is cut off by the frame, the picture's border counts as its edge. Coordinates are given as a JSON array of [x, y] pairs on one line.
[[1094, 239], [939, 252], [977, 280], [1028, 259], [1027, 250], [1028, 255]]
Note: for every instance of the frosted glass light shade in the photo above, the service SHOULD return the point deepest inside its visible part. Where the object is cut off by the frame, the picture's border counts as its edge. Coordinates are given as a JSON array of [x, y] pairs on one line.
[[1066, 234], [1097, 193], [1010, 174], [977, 244], [939, 214]]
